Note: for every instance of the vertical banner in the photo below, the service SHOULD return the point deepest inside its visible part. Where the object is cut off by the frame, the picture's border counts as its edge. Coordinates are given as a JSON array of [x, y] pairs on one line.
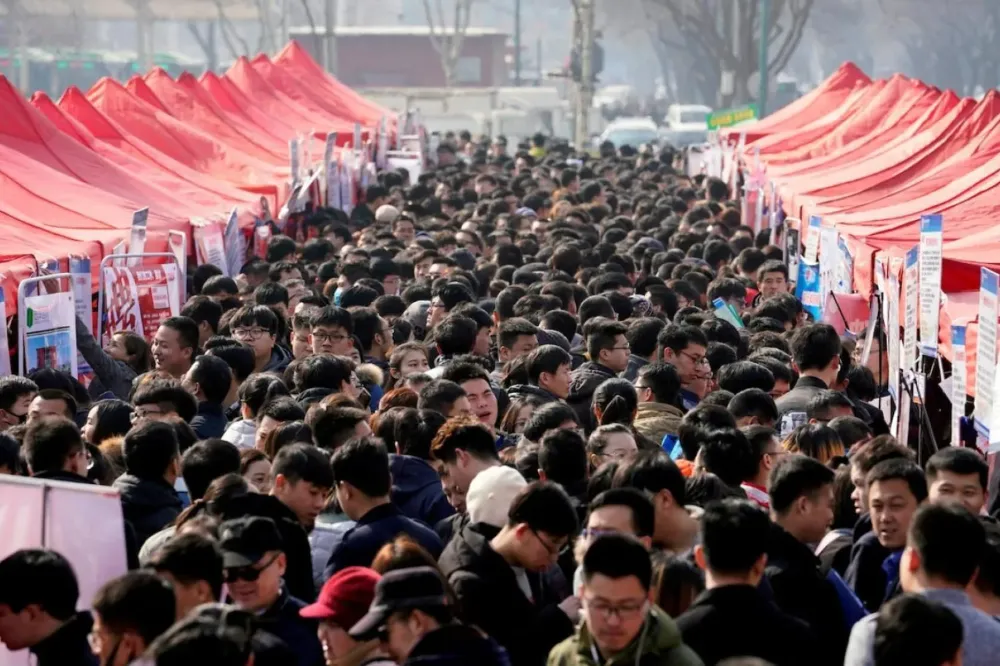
[[792, 248], [931, 239], [986, 351], [829, 255], [382, 145], [356, 141], [4, 347], [333, 189], [811, 255], [910, 277], [236, 246], [958, 382], [79, 267], [210, 247], [293, 162], [331, 143], [892, 335], [807, 289], [843, 282], [137, 241], [48, 332]]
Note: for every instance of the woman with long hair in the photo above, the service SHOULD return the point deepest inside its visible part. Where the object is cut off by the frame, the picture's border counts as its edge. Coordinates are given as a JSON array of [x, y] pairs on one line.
[[409, 358]]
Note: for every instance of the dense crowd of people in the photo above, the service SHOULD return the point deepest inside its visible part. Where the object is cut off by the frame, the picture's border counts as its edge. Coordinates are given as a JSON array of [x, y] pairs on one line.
[[491, 417]]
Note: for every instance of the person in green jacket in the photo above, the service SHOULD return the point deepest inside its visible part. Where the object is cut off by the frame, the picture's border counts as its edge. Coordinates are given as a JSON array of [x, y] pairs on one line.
[[621, 627]]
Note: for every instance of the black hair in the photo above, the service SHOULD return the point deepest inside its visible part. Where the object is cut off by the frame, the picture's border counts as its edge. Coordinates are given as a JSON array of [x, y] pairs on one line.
[[467, 434], [12, 388], [255, 315], [735, 533], [440, 395], [963, 462], [213, 377], [415, 430], [367, 324], [679, 337], [66, 398], [389, 306], [988, 575], [10, 454], [548, 417], [190, 557], [771, 266], [203, 309], [595, 306], [363, 463], [643, 513], [39, 576], [323, 371], [814, 346], [562, 456], [851, 430], [617, 400], [663, 380], [48, 443], [544, 507], [618, 556], [149, 449], [333, 426], [820, 407], [358, 295], [238, 356], [601, 334], [187, 332], [917, 631], [453, 293], [753, 402], [270, 293], [742, 375], [793, 477], [507, 299], [259, 389], [512, 329], [903, 470], [728, 455], [139, 601], [642, 335], [949, 540], [781, 371], [332, 316], [651, 472], [206, 461], [697, 423], [456, 335], [167, 393], [303, 462], [546, 358], [463, 371], [220, 284]]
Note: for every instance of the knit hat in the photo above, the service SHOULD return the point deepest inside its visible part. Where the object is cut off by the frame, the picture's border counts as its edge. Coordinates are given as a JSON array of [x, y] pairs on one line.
[[491, 493]]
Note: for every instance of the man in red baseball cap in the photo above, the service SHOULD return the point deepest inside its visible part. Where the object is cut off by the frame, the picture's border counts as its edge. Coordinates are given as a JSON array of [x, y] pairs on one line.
[[343, 601]]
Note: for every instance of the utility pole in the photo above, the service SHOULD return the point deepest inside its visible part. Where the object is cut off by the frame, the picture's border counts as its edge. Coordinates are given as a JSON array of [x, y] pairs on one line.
[[765, 19], [517, 43], [586, 86], [330, 36]]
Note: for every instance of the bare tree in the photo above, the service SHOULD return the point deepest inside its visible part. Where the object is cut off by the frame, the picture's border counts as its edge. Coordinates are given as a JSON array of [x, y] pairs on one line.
[[448, 21], [707, 29]]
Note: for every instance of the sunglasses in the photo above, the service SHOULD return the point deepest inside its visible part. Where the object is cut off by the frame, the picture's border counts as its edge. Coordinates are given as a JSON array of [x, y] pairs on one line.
[[247, 573]]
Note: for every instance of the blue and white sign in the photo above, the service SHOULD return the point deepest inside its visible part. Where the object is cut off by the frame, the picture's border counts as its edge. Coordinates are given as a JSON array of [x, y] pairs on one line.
[[807, 289], [931, 241], [986, 350], [812, 239], [910, 277], [958, 381]]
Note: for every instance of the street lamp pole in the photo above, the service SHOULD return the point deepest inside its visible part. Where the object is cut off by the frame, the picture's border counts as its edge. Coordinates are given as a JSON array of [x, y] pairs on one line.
[[517, 42], [765, 20]]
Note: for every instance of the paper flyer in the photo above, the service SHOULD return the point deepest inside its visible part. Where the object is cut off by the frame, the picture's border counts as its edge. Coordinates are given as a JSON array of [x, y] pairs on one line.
[[405, 160], [807, 289], [137, 241], [48, 332], [986, 350], [931, 240], [812, 239], [910, 276], [958, 381]]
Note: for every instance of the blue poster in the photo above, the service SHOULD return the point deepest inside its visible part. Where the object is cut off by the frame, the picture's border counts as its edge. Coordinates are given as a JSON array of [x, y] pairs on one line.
[[807, 289]]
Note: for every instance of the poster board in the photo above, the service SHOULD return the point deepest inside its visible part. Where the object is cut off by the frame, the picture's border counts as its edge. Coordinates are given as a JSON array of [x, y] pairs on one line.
[[137, 299], [958, 381], [137, 240], [410, 161], [986, 350], [47, 329], [910, 277], [235, 245], [931, 241], [210, 245]]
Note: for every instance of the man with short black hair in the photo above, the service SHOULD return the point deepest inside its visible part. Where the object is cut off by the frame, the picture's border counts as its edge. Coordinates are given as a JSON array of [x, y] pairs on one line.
[[742, 375], [767, 451], [175, 346], [274, 414], [454, 336], [816, 355], [733, 617], [463, 447], [801, 493], [608, 350], [515, 337], [642, 335], [827, 405], [916, 631], [497, 577], [958, 475], [475, 381], [209, 380], [753, 406], [685, 347], [772, 279], [54, 450], [654, 473], [206, 313], [944, 543], [257, 327], [445, 397], [152, 465], [130, 612], [38, 601], [375, 335], [192, 564], [206, 461], [363, 486], [162, 400], [16, 394], [52, 402], [620, 624], [549, 369], [301, 479], [363, 215]]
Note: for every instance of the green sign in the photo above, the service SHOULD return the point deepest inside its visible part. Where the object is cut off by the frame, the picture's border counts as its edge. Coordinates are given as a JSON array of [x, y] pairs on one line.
[[729, 117]]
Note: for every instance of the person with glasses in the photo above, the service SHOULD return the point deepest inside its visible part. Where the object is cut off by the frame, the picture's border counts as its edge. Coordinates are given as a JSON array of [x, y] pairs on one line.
[[615, 511], [253, 562], [620, 625], [257, 327], [130, 612], [500, 581], [55, 450], [685, 347], [331, 330], [609, 353], [413, 620], [614, 442], [733, 617]]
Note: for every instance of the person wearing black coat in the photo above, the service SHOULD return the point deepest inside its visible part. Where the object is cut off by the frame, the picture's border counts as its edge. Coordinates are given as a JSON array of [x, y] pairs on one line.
[[583, 384], [69, 645], [865, 573], [148, 504], [373, 530], [491, 598]]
